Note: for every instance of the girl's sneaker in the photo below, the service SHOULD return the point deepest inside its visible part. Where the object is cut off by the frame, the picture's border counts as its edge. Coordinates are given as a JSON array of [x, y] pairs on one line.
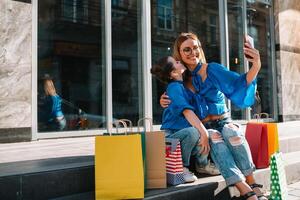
[[188, 176], [210, 168]]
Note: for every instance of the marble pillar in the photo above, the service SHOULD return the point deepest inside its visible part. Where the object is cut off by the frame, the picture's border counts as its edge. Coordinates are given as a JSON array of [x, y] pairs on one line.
[[15, 65], [287, 35]]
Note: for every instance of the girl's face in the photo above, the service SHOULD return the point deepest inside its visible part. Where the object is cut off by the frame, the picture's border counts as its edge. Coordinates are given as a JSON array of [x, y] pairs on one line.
[[190, 53], [178, 70]]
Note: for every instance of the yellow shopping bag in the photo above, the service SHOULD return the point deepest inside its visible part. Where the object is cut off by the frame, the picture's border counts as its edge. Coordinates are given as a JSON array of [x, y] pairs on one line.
[[118, 167]]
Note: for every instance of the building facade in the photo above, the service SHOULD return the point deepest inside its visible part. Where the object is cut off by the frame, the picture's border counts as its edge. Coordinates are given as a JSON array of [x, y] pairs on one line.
[[98, 55]]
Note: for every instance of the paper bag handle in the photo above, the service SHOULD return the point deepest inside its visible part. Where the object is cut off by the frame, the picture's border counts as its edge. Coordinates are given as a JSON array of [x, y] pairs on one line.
[[117, 122], [129, 122], [145, 119], [258, 116]]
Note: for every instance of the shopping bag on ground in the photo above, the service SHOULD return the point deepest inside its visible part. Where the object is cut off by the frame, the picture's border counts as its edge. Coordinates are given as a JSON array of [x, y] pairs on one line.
[[155, 157], [174, 162], [273, 144], [278, 178], [262, 139], [119, 167], [143, 139], [257, 138]]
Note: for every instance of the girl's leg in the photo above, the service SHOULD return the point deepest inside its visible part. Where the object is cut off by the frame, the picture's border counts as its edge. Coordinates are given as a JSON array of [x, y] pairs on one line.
[[189, 139]]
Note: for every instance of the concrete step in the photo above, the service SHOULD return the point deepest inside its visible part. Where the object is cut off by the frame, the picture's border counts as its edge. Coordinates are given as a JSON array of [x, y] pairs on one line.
[[64, 168], [289, 136], [262, 176], [71, 178]]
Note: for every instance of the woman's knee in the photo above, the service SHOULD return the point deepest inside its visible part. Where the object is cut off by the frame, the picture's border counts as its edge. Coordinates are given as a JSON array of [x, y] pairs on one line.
[[215, 136], [233, 133]]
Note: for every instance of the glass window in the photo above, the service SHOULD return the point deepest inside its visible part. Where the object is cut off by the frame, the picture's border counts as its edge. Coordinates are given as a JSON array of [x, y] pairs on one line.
[[127, 79], [71, 71], [258, 21], [200, 17], [236, 44], [258, 25]]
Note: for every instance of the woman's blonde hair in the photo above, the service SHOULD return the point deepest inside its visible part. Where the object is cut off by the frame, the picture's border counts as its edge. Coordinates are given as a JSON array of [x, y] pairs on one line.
[[178, 42], [49, 87]]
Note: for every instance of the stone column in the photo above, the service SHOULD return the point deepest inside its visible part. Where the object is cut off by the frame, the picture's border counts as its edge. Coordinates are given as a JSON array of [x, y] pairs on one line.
[[287, 34], [15, 70]]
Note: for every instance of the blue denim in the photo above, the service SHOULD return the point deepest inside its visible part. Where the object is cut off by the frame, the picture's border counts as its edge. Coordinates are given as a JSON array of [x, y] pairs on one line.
[[189, 139], [233, 158]]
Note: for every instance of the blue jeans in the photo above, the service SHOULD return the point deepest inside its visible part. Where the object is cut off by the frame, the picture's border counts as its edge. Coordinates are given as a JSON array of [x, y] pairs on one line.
[[231, 152], [189, 139]]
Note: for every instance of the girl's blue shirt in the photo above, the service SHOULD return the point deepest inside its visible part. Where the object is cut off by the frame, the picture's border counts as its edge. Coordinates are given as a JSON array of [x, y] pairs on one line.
[[181, 98]]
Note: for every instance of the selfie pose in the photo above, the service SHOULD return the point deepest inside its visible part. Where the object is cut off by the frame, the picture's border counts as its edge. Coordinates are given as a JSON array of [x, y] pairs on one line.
[[213, 82], [180, 120]]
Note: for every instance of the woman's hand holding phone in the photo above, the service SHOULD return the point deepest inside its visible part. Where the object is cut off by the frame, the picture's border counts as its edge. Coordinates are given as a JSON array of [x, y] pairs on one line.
[[251, 54]]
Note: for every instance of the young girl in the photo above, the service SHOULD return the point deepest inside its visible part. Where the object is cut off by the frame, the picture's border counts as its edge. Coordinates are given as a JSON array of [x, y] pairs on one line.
[[179, 119]]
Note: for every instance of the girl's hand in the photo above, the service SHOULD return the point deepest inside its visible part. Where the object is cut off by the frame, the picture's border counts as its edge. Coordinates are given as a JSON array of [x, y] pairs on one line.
[[204, 143], [164, 100], [252, 55]]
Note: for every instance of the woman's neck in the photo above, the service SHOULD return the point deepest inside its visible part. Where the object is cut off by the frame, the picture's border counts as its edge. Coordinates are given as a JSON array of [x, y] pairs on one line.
[[192, 67]]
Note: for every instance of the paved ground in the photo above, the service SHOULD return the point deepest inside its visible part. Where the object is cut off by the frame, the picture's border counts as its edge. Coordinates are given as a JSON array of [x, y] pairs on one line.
[[294, 191]]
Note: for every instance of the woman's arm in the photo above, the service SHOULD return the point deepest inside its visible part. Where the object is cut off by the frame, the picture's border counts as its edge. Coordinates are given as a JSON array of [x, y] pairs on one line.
[[195, 122], [254, 58], [164, 100]]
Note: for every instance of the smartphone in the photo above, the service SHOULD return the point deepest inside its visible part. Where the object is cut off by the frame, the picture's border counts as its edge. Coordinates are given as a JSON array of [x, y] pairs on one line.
[[251, 41]]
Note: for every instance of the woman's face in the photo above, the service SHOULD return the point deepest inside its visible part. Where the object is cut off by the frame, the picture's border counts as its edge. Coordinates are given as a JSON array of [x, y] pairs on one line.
[[179, 68], [190, 53]]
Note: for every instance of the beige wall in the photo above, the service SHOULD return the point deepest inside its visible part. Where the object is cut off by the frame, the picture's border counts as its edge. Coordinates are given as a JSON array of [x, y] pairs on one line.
[[287, 33], [15, 64]]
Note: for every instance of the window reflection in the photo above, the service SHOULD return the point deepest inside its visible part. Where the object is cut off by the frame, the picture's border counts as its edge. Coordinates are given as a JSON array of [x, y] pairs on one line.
[[258, 18], [236, 44], [259, 29], [169, 18], [70, 55], [127, 80]]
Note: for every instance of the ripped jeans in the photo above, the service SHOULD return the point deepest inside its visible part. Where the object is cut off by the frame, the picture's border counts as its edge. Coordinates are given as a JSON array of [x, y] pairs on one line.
[[231, 152], [189, 139]]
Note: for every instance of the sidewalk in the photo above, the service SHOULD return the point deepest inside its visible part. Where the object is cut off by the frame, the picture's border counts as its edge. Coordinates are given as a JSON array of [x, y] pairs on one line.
[[294, 191]]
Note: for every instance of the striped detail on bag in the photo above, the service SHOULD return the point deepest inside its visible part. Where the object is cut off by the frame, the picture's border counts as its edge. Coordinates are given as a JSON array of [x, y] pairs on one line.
[[174, 165]]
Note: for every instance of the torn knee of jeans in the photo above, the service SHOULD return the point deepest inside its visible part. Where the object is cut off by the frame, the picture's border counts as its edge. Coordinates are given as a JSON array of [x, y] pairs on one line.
[[232, 126], [236, 141], [216, 137]]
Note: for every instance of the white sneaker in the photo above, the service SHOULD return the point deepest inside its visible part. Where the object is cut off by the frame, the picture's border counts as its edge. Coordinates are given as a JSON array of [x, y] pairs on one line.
[[210, 168], [188, 176]]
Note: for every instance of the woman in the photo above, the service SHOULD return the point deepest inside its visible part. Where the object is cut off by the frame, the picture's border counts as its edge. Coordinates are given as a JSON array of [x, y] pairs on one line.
[[213, 82], [179, 120], [55, 119]]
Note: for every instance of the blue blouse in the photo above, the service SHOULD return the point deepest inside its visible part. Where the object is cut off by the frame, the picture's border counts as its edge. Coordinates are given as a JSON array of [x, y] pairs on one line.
[[56, 110], [221, 82], [181, 99]]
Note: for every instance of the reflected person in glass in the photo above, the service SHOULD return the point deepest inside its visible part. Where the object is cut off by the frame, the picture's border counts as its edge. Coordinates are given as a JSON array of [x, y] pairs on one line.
[[55, 119], [214, 82], [179, 119]]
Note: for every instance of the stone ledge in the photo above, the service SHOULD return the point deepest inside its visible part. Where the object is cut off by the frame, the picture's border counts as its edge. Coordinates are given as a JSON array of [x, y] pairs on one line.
[[9, 135]]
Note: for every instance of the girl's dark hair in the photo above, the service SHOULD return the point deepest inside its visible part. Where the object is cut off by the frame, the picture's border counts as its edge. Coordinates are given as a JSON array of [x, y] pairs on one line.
[[162, 69]]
